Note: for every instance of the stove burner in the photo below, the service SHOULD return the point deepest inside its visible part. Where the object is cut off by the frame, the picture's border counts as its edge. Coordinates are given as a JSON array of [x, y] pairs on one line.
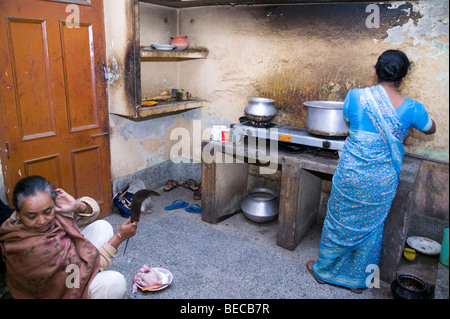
[[305, 149], [245, 121]]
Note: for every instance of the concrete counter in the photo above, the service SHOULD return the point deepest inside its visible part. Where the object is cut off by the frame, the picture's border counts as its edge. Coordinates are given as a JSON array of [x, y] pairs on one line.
[[224, 186]]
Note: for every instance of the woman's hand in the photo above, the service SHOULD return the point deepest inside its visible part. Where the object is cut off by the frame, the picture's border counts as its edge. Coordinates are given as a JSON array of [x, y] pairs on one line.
[[66, 203], [125, 231]]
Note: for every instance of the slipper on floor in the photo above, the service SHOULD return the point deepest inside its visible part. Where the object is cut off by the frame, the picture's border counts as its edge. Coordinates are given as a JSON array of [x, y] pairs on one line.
[[190, 184], [194, 208], [177, 204], [197, 195], [170, 184]]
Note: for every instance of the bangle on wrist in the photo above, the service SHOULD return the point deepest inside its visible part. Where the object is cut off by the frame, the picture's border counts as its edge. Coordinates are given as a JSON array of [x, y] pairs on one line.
[[118, 234]]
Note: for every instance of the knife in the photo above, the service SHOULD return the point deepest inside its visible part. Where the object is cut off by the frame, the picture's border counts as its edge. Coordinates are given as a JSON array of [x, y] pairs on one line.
[[136, 203]]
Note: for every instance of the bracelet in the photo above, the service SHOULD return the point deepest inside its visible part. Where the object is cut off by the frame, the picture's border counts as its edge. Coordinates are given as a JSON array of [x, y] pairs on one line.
[[119, 235]]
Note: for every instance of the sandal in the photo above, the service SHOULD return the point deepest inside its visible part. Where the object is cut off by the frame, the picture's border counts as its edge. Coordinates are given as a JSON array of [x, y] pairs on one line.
[[170, 184], [191, 184], [198, 193], [356, 290], [177, 204], [194, 208]]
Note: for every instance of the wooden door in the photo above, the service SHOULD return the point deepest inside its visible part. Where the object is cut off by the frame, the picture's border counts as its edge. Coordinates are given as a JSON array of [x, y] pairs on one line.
[[53, 107]]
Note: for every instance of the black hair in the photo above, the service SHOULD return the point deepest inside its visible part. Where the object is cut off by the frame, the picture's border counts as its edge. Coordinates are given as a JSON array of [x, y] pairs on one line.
[[29, 186], [392, 66]]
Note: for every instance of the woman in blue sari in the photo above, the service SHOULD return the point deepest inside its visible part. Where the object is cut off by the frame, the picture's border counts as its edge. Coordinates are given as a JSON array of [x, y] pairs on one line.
[[367, 175]]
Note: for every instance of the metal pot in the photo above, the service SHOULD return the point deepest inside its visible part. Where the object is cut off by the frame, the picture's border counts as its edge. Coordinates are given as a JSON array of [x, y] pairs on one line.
[[326, 118], [261, 205], [407, 286], [260, 109]]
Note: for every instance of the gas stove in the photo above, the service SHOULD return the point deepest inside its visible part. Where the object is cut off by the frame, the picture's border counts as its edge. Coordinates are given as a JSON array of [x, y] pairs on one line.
[[289, 135]]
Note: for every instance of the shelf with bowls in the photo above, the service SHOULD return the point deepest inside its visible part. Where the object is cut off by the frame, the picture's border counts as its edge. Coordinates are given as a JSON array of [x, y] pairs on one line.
[[150, 54], [130, 64]]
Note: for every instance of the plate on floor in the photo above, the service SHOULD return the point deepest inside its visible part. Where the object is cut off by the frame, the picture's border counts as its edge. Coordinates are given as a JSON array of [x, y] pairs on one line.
[[166, 277], [424, 245]]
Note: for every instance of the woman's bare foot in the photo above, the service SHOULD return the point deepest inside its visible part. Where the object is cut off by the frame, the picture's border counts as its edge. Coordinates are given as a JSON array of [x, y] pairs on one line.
[[309, 267]]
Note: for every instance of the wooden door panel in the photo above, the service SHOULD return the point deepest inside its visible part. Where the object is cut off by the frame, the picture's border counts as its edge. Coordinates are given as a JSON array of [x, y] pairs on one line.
[[53, 116], [83, 162], [49, 166], [31, 75], [79, 68]]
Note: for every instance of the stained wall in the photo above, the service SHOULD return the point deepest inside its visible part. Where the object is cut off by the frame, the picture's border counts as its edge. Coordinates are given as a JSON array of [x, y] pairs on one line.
[[291, 53]]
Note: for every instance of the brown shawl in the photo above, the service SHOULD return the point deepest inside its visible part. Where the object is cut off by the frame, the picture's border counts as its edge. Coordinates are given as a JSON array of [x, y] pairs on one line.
[[37, 262]]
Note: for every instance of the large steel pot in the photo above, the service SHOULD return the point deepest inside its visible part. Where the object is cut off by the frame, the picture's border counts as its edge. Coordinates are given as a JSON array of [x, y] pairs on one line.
[[326, 118], [261, 205], [260, 109]]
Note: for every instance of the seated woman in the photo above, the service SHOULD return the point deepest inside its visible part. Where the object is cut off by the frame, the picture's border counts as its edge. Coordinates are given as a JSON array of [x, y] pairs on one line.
[[46, 254]]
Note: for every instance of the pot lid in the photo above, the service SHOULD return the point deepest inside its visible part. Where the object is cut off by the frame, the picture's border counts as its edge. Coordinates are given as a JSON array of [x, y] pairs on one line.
[[325, 104]]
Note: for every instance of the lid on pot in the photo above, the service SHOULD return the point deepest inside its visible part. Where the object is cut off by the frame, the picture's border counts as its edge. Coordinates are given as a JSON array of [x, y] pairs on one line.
[[325, 104], [260, 100]]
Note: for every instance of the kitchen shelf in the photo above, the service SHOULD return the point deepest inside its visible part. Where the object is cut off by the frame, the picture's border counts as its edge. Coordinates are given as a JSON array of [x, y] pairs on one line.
[[158, 55], [169, 107], [125, 59]]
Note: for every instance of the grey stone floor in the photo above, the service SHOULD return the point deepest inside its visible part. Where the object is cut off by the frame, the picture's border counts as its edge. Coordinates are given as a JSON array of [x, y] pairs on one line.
[[236, 258]]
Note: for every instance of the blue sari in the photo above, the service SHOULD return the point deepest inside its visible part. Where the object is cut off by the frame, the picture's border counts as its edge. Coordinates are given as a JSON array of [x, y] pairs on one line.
[[364, 185]]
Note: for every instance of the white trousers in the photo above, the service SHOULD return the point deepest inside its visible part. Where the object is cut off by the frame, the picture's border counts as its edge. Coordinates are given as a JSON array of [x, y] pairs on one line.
[[106, 284]]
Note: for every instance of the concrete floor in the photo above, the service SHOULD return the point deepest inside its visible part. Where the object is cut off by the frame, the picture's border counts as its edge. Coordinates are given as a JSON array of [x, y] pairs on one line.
[[236, 259]]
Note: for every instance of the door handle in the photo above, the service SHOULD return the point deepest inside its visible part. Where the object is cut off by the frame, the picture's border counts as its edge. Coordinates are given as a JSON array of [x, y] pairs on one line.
[[94, 136]]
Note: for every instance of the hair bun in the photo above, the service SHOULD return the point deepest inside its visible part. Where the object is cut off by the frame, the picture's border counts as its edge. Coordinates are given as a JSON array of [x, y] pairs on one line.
[[392, 66], [391, 69]]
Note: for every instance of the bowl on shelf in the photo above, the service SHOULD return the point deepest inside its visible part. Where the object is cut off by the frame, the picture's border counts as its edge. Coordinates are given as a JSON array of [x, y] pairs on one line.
[[180, 41], [163, 47]]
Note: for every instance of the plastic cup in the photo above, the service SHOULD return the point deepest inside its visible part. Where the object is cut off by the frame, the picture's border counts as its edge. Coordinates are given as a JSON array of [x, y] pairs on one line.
[[217, 132], [225, 135]]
